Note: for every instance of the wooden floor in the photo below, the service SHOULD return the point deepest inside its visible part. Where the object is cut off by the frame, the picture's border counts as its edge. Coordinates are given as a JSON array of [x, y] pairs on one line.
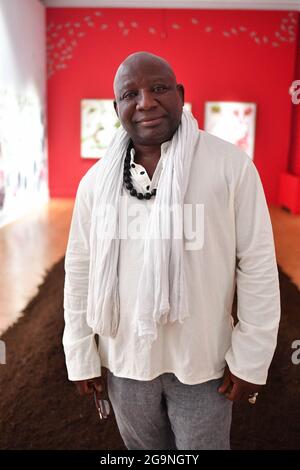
[[31, 245], [28, 248]]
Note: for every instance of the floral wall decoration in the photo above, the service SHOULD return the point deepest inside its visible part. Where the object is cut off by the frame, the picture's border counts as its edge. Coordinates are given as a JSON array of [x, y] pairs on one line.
[[63, 38]]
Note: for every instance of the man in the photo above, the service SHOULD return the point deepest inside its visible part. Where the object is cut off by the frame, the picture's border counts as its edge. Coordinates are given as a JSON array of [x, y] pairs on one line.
[[160, 305]]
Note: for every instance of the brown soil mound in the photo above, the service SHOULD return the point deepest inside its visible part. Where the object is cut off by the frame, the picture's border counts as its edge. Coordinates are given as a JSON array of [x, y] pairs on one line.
[[40, 409]]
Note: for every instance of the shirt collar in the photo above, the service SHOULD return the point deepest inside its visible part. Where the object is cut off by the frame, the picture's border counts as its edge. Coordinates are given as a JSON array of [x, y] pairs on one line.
[[163, 151]]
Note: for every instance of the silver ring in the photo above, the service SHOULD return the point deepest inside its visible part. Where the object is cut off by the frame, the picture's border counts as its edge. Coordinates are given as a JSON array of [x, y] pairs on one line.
[[252, 398]]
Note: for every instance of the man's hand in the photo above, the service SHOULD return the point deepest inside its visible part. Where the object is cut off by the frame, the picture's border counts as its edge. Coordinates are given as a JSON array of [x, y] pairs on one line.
[[236, 389], [86, 387]]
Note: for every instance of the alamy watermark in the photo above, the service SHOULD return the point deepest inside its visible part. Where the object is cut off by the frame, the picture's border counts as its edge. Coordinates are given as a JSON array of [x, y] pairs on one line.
[[131, 221], [295, 91], [296, 354], [2, 352]]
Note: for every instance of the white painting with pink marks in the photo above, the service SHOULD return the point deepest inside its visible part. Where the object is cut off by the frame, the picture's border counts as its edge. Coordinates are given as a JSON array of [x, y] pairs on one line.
[[232, 121]]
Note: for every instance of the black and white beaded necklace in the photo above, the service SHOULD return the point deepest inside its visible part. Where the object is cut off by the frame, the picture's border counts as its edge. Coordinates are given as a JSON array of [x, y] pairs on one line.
[[127, 179]]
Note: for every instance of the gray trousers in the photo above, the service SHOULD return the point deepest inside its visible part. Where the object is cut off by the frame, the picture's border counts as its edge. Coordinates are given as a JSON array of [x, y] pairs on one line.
[[164, 413]]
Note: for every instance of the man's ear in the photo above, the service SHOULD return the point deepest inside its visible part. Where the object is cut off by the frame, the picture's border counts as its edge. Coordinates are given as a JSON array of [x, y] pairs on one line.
[[180, 89], [116, 107]]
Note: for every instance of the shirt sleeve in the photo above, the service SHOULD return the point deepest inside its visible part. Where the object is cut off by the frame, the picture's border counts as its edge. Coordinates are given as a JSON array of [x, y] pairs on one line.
[[81, 352], [254, 337]]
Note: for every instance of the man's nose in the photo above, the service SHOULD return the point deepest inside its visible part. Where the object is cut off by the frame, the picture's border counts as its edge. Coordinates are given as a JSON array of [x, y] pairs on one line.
[[145, 100]]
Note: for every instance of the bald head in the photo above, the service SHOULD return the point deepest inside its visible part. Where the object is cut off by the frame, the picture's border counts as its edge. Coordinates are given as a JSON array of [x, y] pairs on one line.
[[148, 99], [135, 61]]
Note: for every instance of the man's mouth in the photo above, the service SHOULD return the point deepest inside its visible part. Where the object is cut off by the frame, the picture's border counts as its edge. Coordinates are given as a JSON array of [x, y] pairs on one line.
[[150, 122]]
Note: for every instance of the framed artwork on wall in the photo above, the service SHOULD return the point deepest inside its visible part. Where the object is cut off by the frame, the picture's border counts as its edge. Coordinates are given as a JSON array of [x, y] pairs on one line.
[[98, 125], [232, 121]]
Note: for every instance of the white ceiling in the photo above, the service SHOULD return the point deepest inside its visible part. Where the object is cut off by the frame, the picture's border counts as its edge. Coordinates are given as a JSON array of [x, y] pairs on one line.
[[197, 4]]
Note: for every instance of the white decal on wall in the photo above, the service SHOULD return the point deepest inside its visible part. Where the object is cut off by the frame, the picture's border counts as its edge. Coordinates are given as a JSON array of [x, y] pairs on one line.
[[283, 35]]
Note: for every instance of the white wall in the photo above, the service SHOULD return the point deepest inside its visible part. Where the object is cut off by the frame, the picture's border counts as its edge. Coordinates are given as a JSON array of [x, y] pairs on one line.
[[23, 155]]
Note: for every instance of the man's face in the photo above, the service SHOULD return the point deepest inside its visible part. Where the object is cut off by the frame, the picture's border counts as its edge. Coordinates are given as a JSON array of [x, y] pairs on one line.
[[148, 101]]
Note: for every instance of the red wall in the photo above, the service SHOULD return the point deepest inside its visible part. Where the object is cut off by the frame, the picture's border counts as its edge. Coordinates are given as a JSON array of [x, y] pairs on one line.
[[217, 55], [294, 166]]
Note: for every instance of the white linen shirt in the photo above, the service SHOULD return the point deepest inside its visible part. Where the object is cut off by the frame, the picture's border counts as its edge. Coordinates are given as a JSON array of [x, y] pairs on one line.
[[238, 250]]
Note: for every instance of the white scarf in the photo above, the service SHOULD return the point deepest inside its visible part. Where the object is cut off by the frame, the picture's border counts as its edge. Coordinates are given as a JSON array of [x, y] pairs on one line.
[[161, 294]]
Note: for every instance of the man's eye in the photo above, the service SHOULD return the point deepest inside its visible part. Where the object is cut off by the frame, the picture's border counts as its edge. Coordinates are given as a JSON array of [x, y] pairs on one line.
[[130, 94], [160, 88]]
